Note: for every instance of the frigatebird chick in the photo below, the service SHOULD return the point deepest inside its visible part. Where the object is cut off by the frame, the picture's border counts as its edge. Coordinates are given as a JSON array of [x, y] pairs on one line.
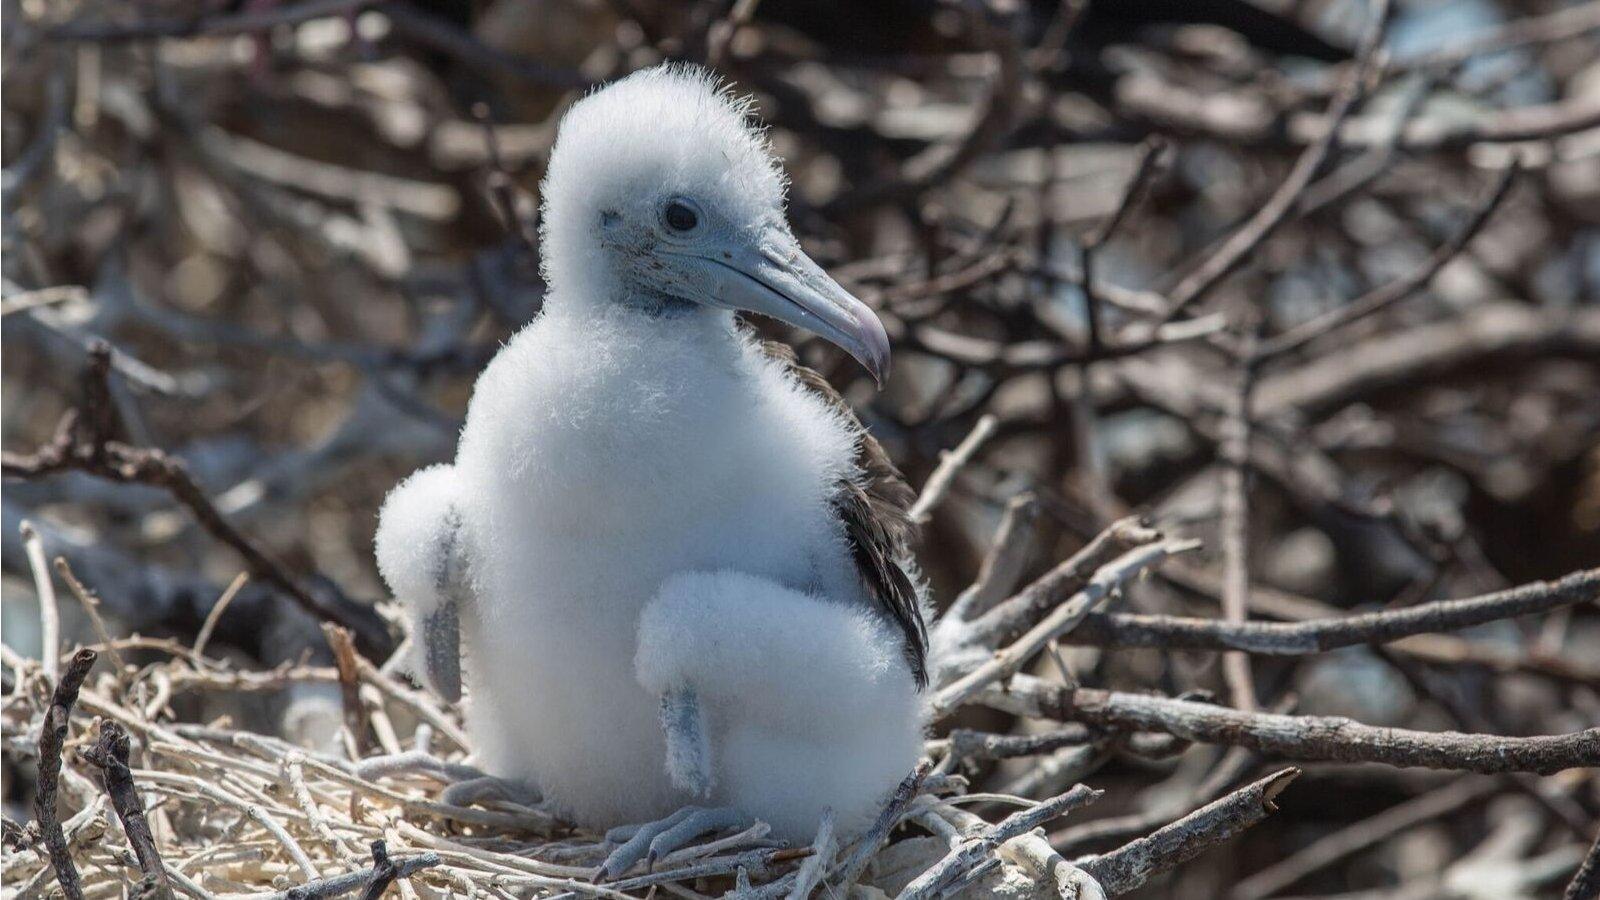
[[675, 561]]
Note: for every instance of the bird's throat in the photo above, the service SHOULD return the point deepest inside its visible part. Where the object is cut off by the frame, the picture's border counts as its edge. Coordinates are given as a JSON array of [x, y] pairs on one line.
[[660, 305]]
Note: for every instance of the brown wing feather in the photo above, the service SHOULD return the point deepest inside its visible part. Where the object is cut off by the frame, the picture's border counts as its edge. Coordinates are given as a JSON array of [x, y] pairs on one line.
[[874, 508]]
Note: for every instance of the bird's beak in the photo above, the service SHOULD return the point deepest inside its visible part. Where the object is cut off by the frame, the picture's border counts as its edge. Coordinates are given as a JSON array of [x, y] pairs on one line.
[[775, 278]]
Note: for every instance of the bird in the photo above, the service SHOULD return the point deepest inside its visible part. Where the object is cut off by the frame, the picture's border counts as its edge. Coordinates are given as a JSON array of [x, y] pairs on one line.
[[669, 564]]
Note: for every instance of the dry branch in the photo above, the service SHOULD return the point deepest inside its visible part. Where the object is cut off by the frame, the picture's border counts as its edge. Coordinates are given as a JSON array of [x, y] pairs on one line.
[[110, 756], [52, 738], [1302, 737], [1321, 635], [83, 443], [1126, 868]]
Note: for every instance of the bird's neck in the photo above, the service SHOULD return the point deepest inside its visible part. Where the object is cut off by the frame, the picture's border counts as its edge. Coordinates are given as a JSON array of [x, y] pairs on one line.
[[658, 304]]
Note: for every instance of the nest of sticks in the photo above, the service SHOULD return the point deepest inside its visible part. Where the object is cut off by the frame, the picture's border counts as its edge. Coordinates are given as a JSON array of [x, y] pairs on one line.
[[130, 799]]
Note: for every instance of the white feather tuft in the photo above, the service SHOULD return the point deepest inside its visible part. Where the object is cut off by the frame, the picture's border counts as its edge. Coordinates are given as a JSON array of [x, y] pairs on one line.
[[809, 701]]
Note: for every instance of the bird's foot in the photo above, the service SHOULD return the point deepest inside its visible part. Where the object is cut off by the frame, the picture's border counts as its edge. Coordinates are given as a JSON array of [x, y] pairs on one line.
[[488, 787], [653, 840]]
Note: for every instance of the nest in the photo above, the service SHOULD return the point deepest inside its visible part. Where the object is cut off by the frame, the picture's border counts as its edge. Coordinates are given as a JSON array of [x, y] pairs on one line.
[[130, 800], [209, 810]]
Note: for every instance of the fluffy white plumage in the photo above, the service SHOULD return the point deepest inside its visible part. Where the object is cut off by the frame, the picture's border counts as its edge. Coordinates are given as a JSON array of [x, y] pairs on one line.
[[643, 501]]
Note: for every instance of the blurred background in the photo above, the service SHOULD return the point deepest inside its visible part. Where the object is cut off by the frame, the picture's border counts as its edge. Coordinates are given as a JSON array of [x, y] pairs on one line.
[[1122, 229]]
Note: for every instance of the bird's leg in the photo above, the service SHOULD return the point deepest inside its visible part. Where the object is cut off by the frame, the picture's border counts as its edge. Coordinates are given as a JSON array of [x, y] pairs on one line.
[[688, 746], [441, 629], [653, 840], [441, 643]]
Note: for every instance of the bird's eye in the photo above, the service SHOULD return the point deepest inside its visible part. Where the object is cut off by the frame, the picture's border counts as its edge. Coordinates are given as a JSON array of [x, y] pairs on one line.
[[680, 216]]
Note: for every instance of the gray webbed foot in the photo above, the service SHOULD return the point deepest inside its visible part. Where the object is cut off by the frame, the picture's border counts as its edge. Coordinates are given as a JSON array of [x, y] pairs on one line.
[[488, 787], [653, 840]]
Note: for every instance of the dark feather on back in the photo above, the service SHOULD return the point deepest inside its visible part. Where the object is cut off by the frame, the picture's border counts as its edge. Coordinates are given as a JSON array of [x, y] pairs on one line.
[[874, 508]]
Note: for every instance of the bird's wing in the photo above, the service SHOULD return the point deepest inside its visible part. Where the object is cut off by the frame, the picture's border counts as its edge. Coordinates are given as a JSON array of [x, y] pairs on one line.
[[874, 508], [423, 556]]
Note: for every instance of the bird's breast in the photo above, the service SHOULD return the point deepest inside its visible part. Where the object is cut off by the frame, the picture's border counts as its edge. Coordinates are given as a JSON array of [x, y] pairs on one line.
[[597, 483]]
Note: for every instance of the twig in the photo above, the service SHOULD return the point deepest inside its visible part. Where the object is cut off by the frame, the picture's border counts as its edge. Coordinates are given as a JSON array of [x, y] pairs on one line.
[[1585, 884], [110, 755], [91, 606], [1013, 616], [355, 711], [938, 484], [1326, 850], [1234, 451], [339, 885], [503, 190], [384, 872], [1276, 210], [1559, 24], [49, 613], [1143, 172], [1003, 565], [204, 26], [815, 865], [52, 738], [1319, 635], [963, 858], [209, 626], [1126, 868], [723, 30], [83, 443], [1394, 291], [867, 844], [1490, 331], [942, 162], [1233, 765], [1061, 621], [1302, 737]]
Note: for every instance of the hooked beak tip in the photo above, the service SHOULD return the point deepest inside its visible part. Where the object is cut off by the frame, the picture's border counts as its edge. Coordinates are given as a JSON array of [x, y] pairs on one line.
[[875, 348]]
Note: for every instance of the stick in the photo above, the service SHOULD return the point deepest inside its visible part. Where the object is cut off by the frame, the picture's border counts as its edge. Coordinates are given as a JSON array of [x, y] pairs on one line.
[[1392, 292], [83, 443], [1003, 565], [976, 850], [938, 484], [1319, 635], [384, 872], [1234, 451], [339, 885], [49, 613], [815, 865], [110, 755], [1275, 211], [1062, 620], [51, 739], [1376, 829], [1013, 616], [1302, 737], [91, 606], [1126, 868], [1586, 883], [355, 711], [217, 609], [868, 843]]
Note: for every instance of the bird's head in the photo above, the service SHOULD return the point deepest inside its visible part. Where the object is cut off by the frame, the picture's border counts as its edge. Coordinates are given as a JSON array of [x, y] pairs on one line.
[[661, 192]]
